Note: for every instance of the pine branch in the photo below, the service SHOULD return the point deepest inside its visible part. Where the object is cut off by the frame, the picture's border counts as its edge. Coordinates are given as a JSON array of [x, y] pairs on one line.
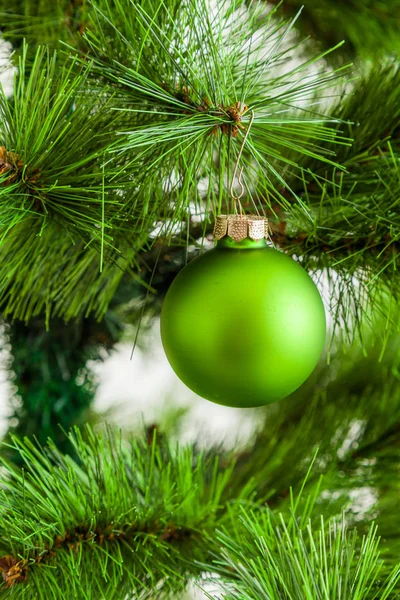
[[59, 277], [188, 78], [274, 558], [129, 516], [319, 226], [61, 213], [175, 109], [369, 30], [137, 518], [52, 144], [355, 234]]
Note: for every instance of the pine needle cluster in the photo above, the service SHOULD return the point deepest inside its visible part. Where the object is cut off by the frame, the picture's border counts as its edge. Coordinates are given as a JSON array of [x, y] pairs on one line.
[[143, 134], [56, 197], [134, 517], [275, 558], [144, 517]]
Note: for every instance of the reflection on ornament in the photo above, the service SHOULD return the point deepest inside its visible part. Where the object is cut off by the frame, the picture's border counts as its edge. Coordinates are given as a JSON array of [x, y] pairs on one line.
[[243, 324]]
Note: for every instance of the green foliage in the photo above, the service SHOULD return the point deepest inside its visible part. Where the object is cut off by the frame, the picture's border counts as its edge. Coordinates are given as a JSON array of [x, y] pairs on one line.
[[35, 282], [129, 516], [355, 232], [134, 517], [273, 558], [42, 22], [59, 208], [369, 28], [133, 134], [46, 367], [187, 78], [53, 387], [100, 170], [70, 159], [53, 143]]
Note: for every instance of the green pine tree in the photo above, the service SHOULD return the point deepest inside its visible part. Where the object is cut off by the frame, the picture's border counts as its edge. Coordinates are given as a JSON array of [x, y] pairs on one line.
[[117, 148]]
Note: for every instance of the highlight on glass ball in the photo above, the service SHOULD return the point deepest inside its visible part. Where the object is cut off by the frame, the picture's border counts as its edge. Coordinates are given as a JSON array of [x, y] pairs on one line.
[[243, 324]]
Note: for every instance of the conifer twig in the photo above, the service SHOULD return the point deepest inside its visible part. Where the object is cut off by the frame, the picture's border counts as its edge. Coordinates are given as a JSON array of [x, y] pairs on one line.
[[131, 516], [135, 517]]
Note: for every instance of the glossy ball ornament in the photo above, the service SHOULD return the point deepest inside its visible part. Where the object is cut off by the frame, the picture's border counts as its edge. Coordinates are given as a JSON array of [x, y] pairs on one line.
[[243, 324]]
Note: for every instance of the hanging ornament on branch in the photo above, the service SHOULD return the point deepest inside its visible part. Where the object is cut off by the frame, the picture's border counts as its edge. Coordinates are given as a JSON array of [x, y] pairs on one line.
[[243, 324]]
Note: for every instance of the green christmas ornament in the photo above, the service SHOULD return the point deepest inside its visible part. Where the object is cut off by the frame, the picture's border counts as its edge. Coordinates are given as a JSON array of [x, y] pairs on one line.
[[243, 324]]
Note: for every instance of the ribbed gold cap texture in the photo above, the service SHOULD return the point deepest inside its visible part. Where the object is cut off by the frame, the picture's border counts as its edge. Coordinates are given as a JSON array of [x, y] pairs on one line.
[[240, 227]]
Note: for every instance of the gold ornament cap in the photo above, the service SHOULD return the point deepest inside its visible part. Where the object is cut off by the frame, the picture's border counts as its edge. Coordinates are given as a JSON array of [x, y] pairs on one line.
[[240, 227]]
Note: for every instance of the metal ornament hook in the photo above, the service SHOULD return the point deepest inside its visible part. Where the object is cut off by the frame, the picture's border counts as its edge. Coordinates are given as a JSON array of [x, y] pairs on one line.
[[240, 181]]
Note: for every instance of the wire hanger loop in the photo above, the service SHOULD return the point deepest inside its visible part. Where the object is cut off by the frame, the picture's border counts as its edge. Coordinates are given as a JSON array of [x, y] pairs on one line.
[[239, 179]]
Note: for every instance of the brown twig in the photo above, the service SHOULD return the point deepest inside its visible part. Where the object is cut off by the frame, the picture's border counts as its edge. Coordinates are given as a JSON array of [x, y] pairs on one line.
[[15, 570]]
